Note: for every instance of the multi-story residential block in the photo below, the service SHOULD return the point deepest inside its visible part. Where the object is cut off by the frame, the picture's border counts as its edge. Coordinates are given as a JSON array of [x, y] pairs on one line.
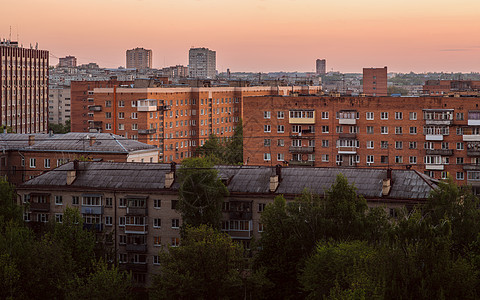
[[59, 104], [438, 136], [24, 156], [67, 62], [136, 203], [139, 58], [202, 63], [375, 81], [321, 67], [177, 71], [446, 87], [176, 120], [23, 88], [82, 104]]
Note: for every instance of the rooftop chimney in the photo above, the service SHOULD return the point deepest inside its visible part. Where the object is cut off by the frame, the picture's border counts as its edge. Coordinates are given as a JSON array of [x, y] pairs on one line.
[[275, 179], [72, 174], [92, 140], [387, 183], [170, 176], [31, 140]]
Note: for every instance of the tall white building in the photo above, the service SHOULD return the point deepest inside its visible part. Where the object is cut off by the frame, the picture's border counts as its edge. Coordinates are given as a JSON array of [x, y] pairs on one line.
[[202, 63], [59, 104]]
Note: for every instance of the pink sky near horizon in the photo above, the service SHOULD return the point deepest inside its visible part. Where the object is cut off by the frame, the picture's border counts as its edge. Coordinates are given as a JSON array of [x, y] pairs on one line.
[[257, 35]]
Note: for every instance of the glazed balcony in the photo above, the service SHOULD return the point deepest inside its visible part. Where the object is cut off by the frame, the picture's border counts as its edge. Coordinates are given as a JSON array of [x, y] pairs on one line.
[[136, 229], [293, 149], [91, 210], [147, 105], [147, 131], [95, 108]]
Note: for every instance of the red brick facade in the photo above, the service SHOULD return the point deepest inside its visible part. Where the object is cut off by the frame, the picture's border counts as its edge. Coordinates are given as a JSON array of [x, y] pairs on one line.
[[375, 81]]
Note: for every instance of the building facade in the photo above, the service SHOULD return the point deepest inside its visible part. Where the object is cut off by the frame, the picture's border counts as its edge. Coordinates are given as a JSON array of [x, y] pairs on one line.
[[59, 104], [176, 120], [449, 87], [438, 136], [202, 63], [139, 58], [375, 81], [67, 62], [321, 67], [136, 203], [23, 88]]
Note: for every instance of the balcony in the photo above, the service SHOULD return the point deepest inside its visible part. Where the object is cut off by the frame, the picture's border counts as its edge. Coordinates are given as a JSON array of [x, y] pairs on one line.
[[240, 215], [347, 150], [293, 149], [471, 167], [438, 122], [438, 116], [443, 152], [92, 210], [301, 163], [95, 108], [434, 137], [147, 131], [434, 167], [301, 117], [139, 248], [347, 135], [147, 105], [39, 207], [300, 135], [471, 137], [136, 229], [164, 107], [93, 227], [137, 211], [136, 267]]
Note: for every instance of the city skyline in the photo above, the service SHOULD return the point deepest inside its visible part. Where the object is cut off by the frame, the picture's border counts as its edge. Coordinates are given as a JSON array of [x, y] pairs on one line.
[[256, 35]]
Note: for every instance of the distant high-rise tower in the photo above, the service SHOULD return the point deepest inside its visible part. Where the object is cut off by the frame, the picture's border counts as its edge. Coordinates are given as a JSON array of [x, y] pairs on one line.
[[321, 67], [24, 88], [375, 81], [139, 58], [202, 63], [67, 61]]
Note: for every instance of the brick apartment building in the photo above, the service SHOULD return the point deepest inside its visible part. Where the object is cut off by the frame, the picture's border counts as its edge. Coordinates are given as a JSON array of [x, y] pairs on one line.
[[82, 104], [23, 88], [446, 87], [176, 120], [24, 156], [136, 202], [434, 135], [375, 81]]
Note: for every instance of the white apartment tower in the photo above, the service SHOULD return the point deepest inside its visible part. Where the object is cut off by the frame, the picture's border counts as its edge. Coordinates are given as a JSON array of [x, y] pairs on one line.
[[202, 63]]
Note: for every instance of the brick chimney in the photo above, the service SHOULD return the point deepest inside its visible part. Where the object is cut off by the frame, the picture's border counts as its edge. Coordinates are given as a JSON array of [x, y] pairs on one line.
[[72, 174], [387, 183], [92, 140], [31, 140], [275, 179], [170, 176]]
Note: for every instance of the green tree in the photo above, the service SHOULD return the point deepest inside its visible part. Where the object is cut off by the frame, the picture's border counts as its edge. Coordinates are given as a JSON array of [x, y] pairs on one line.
[[201, 193], [206, 265], [213, 150], [103, 283], [60, 128], [9, 209], [234, 147]]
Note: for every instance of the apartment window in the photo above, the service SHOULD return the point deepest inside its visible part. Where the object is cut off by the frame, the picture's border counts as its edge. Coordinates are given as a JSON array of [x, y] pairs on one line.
[[266, 128], [384, 130], [384, 159], [370, 159], [280, 115], [108, 126], [398, 115], [157, 241], [108, 220], [175, 242], [459, 131], [398, 145], [134, 126], [266, 157], [267, 142], [121, 127], [384, 144], [42, 218], [108, 103], [296, 128], [122, 202], [280, 129], [398, 159], [175, 223], [325, 157], [33, 163], [173, 204], [370, 144], [398, 130], [266, 115], [444, 145], [444, 175], [122, 240], [134, 115], [58, 200], [108, 201], [459, 160], [280, 143], [121, 103], [339, 129], [108, 115], [75, 200], [413, 130], [384, 115], [370, 129], [370, 115], [460, 146], [412, 115], [460, 118], [460, 175], [353, 129], [412, 160], [157, 223], [47, 163], [325, 115], [280, 157], [325, 143], [428, 145], [121, 115], [156, 260], [325, 129], [157, 203], [59, 218], [412, 145]]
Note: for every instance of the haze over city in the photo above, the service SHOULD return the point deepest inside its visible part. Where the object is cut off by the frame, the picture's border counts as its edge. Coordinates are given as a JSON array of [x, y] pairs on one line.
[[256, 35]]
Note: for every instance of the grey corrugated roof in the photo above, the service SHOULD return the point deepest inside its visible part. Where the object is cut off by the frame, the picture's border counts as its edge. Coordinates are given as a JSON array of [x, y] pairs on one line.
[[406, 184], [72, 141]]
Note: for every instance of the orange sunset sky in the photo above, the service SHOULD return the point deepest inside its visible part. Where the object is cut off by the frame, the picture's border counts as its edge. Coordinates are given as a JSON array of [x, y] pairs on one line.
[[256, 35]]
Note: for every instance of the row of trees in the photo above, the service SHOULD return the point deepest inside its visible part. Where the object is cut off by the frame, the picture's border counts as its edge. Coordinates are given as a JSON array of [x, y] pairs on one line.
[[332, 247]]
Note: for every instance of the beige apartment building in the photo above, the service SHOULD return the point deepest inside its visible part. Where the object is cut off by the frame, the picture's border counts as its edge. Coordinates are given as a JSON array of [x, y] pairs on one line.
[[59, 104], [139, 58]]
